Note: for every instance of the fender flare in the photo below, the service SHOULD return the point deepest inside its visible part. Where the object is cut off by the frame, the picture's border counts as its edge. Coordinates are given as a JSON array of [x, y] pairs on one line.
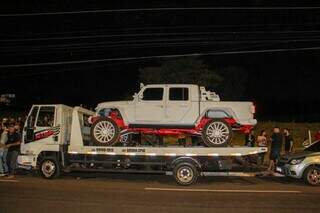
[[186, 159], [228, 111], [121, 112]]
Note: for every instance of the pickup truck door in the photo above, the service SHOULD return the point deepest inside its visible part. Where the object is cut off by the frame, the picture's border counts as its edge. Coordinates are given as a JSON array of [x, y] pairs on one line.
[[149, 107], [178, 105]]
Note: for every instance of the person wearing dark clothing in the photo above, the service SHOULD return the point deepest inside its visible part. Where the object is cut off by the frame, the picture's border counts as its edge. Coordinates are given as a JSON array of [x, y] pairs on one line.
[[250, 139], [288, 142], [276, 146], [13, 145]]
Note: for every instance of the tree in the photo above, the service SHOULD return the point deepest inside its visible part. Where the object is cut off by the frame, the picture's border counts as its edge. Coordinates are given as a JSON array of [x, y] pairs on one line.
[[235, 83], [182, 70], [230, 81]]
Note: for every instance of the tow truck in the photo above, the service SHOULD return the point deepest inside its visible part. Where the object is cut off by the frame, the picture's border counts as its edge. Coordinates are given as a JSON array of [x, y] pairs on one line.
[[57, 138]]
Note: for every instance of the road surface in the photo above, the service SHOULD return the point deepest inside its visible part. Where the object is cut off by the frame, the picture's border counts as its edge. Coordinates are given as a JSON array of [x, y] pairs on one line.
[[132, 193]]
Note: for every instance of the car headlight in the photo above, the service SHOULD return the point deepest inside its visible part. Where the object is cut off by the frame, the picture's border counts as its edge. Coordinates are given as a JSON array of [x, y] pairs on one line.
[[296, 161]]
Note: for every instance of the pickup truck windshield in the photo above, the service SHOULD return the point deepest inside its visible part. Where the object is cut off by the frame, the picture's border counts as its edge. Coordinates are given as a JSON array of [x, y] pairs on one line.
[[314, 147]]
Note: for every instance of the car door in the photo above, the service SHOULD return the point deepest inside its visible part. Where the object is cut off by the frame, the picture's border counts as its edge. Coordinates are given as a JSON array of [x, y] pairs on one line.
[[149, 107], [177, 105]]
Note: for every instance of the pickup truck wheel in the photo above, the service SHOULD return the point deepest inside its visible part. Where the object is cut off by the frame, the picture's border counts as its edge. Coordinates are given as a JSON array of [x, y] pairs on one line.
[[185, 174], [311, 176], [217, 133], [49, 168], [105, 132]]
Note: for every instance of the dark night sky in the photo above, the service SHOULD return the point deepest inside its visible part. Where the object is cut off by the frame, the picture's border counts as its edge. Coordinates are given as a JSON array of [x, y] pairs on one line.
[[284, 85]]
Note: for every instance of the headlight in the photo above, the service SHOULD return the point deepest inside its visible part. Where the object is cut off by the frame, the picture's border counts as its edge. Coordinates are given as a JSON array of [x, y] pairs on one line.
[[296, 161]]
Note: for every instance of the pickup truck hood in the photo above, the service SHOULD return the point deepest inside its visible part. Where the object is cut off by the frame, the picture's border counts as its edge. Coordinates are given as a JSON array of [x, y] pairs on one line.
[[113, 104]]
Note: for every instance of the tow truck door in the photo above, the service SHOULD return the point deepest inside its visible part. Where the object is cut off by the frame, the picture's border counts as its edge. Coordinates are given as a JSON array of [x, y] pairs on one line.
[[29, 125], [40, 124]]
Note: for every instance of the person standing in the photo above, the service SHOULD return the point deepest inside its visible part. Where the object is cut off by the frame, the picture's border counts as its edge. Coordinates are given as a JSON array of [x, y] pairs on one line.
[[3, 152], [13, 144], [275, 150], [262, 142], [250, 140], [288, 141]]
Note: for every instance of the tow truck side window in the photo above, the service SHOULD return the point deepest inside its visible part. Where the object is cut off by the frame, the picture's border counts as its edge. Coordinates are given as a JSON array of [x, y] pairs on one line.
[[32, 118], [153, 94], [46, 116]]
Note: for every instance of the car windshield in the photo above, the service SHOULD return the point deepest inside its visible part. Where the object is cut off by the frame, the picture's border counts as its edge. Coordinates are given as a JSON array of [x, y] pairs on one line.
[[315, 147]]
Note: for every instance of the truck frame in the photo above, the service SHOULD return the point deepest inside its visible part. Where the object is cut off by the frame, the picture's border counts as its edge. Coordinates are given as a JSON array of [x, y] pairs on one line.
[[57, 138]]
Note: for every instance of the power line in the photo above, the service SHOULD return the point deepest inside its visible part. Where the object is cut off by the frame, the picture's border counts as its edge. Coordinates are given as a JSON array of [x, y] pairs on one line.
[[264, 25], [158, 34], [157, 57], [155, 10], [168, 43]]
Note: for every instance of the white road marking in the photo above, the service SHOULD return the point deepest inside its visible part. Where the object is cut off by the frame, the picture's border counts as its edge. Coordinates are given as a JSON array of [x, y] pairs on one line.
[[221, 190], [4, 180]]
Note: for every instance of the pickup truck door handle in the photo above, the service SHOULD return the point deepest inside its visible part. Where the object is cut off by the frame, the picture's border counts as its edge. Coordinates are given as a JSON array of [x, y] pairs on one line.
[[161, 106]]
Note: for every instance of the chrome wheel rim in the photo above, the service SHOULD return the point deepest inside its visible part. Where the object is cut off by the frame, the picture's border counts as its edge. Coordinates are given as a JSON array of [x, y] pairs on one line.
[[314, 176], [185, 174], [104, 131], [48, 168], [217, 132]]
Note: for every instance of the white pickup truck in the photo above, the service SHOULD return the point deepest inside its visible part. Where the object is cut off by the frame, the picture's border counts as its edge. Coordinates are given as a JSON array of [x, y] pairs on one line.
[[172, 109]]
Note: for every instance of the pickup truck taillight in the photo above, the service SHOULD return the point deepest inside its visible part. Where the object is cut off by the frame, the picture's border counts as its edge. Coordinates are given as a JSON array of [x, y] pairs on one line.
[[253, 109]]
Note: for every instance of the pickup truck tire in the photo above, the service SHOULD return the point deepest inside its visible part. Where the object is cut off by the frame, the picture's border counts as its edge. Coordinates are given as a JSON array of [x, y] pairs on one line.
[[49, 168], [185, 174], [105, 132], [311, 175], [217, 133]]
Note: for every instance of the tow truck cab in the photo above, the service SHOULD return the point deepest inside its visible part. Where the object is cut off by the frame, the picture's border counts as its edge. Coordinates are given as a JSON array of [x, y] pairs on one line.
[[46, 131]]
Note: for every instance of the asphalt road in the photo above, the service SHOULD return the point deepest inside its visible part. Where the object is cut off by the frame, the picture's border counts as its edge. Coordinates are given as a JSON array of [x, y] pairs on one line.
[[155, 193]]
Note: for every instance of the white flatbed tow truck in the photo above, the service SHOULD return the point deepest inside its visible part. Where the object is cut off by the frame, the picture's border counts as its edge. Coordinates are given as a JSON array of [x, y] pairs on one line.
[[57, 138]]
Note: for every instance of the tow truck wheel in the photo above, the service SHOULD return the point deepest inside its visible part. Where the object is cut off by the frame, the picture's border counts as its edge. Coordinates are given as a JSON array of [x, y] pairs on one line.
[[105, 132], [185, 174], [311, 176], [217, 133], [49, 168]]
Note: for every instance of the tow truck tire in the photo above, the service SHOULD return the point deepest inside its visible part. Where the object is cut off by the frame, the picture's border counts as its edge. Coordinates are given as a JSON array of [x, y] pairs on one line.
[[105, 132], [217, 133], [311, 175], [185, 174], [49, 168]]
